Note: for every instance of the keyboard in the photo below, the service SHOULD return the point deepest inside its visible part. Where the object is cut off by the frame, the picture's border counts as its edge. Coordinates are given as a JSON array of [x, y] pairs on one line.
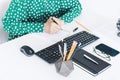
[[51, 54]]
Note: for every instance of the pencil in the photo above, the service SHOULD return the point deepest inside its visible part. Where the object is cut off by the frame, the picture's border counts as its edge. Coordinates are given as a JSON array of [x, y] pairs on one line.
[[82, 26], [74, 45]]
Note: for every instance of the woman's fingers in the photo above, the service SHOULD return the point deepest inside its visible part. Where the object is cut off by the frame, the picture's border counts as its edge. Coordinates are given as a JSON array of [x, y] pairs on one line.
[[52, 25], [59, 21], [54, 28]]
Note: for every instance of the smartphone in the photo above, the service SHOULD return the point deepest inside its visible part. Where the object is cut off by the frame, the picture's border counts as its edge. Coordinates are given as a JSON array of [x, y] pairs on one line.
[[107, 50]]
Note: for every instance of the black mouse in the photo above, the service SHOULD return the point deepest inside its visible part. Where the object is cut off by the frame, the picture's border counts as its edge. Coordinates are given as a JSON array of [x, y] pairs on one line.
[[28, 51]]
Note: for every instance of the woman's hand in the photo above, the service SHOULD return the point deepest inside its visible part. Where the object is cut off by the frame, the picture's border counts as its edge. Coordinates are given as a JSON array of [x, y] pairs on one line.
[[58, 21], [53, 25]]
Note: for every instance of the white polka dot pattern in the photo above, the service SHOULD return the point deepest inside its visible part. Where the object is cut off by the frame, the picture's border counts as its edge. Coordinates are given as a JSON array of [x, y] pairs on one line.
[[28, 16]]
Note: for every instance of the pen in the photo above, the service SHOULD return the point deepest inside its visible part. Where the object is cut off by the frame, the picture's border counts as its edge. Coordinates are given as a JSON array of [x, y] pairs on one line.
[[82, 26], [60, 49], [80, 44], [75, 29], [65, 51], [89, 58], [74, 45], [54, 20]]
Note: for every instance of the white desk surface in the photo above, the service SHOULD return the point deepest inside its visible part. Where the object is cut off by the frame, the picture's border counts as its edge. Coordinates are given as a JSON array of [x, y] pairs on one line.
[[14, 65]]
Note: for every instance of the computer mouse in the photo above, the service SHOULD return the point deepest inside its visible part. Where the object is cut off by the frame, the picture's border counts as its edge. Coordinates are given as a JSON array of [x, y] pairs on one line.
[[28, 51]]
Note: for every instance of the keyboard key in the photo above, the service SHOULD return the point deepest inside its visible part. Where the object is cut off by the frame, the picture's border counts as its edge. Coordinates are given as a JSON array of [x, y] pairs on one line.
[[51, 54]]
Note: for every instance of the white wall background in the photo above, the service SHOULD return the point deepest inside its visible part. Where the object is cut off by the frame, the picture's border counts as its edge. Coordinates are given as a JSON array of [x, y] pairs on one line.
[[109, 8], [3, 7]]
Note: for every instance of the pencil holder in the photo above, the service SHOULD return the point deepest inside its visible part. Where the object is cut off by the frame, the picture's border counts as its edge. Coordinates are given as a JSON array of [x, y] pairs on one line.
[[64, 67]]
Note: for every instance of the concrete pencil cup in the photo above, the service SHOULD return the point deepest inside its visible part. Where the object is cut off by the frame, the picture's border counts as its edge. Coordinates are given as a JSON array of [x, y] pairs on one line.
[[64, 67]]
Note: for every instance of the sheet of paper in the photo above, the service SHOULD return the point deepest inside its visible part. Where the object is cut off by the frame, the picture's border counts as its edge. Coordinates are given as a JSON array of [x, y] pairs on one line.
[[65, 31], [53, 37]]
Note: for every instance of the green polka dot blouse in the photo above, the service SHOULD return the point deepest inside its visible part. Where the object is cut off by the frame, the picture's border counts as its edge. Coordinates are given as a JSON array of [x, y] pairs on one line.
[[28, 16]]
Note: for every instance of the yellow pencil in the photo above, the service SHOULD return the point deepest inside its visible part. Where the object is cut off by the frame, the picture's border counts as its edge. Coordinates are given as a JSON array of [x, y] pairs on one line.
[[74, 44]]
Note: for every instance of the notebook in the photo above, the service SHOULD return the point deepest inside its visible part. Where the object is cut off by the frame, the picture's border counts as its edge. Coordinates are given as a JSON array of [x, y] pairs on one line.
[[94, 66]]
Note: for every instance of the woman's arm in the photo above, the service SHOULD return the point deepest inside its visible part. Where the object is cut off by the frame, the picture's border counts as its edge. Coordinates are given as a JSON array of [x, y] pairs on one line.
[[16, 21], [74, 11]]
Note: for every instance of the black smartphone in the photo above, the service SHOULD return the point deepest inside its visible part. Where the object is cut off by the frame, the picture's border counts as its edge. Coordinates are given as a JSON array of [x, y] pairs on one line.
[[107, 50]]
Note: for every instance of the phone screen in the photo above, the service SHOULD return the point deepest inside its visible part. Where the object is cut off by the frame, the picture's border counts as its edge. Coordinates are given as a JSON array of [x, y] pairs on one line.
[[107, 50]]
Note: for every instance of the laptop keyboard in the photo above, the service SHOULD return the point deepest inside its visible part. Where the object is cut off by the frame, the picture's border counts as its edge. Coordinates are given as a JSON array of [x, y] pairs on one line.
[[51, 54]]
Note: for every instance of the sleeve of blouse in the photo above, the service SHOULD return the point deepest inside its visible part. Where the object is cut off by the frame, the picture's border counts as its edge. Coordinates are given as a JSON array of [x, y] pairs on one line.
[[74, 11], [16, 22]]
